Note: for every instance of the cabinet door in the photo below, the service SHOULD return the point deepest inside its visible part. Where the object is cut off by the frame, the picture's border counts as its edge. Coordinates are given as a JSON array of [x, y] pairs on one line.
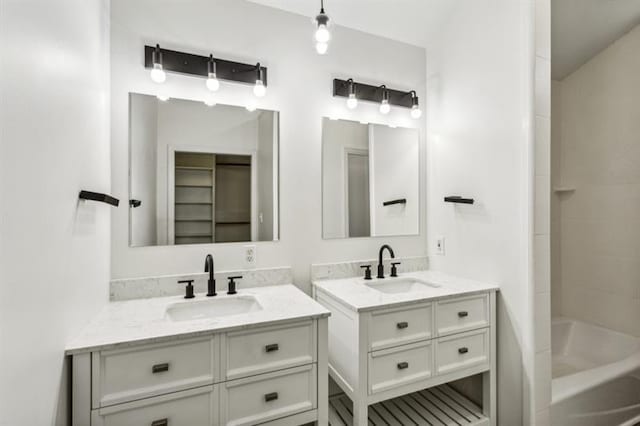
[[267, 349], [399, 366], [133, 373], [462, 314], [399, 326], [266, 397], [462, 351], [195, 407]]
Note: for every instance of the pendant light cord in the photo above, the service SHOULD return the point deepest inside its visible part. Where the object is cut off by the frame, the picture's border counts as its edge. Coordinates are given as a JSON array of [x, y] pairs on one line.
[[321, 6]]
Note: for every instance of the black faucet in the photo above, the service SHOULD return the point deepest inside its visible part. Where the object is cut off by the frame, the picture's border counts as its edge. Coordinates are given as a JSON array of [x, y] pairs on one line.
[[211, 284], [380, 265]]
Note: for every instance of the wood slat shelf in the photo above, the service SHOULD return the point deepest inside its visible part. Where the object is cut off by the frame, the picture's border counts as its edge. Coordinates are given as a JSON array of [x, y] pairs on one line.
[[441, 405], [193, 220], [196, 203], [207, 169], [193, 186], [192, 235], [233, 223]]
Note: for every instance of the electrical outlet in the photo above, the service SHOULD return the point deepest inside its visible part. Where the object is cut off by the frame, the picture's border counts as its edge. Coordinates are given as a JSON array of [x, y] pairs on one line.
[[440, 245], [250, 256]]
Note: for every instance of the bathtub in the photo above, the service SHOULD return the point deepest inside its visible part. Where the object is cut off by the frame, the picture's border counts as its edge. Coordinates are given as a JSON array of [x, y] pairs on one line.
[[596, 375]]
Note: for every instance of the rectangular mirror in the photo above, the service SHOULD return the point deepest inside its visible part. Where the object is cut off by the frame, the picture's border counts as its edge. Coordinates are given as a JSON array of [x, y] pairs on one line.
[[201, 174], [370, 180]]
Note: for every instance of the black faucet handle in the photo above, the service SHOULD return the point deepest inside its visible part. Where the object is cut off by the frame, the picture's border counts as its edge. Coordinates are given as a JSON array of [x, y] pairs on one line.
[[232, 284], [188, 289], [394, 268], [367, 271]]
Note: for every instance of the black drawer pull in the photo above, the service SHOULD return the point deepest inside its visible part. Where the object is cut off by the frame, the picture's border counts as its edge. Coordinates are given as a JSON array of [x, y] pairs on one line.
[[160, 368], [161, 422], [272, 348], [403, 365], [271, 396], [402, 325], [463, 350], [463, 314]]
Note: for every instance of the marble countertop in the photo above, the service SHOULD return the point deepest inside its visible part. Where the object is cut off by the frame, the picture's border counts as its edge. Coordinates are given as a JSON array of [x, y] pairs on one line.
[[355, 294], [139, 321]]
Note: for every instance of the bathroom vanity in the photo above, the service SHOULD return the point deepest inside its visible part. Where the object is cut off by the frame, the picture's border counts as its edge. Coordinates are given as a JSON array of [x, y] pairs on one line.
[[259, 357], [394, 336]]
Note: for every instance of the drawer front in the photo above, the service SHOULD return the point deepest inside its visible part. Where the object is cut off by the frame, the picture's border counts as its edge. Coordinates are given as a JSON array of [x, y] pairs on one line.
[[267, 397], [391, 368], [462, 351], [457, 315], [133, 373], [395, 327], [268, 349], [194, 407]]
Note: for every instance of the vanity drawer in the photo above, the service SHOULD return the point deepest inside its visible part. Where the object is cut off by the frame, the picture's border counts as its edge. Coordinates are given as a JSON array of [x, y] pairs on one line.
[[267, 397], [268, 349], [194, 407], [133, 373], [462, 351], [391, 368], [399, 326], [462, 314]]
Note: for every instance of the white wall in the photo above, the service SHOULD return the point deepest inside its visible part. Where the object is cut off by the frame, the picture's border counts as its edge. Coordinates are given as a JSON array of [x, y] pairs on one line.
[[480, 116], [54, 250], [599, 232], [300, 84]]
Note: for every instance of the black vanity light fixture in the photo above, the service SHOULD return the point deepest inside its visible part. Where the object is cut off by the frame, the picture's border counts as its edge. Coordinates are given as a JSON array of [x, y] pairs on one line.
[[160, 61], [322, 34], [382, 95]]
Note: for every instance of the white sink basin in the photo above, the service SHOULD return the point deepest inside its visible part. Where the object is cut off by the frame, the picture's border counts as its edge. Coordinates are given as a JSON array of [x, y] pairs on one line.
[[400, 285], [213, 308]]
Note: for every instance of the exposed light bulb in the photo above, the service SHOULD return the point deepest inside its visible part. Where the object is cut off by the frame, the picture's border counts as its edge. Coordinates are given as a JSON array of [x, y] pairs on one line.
[[352, 102], [212, 82], [259, 90], [210, 102], [322, 47], [322, 34], [415, 106], [157, 74], [212, 79], [163, 97], [385, 107], [251, 106]]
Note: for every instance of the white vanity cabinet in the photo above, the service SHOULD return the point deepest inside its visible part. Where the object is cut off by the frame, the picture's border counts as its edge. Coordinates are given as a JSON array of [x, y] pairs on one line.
[[384, 346], [274, 374]]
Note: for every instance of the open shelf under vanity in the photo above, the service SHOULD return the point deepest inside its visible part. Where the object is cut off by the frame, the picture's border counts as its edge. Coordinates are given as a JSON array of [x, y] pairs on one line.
[[441, 405]]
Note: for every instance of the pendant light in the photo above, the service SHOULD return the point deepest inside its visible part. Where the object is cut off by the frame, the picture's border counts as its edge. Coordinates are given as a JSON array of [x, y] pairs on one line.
[[322, 34], [259, 89], [212, 79], [157, 72]]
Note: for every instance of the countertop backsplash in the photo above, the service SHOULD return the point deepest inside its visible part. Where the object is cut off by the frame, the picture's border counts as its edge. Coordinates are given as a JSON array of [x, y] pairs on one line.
[[331, 271], [167, 285]]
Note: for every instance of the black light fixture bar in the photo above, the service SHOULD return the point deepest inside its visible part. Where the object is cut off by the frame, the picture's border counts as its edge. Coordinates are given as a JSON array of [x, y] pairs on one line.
[[196, 65], [367, 92]]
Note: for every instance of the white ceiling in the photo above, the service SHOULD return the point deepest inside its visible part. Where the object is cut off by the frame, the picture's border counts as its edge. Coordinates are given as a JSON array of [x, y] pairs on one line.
[[580, 29], [415, 22]]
